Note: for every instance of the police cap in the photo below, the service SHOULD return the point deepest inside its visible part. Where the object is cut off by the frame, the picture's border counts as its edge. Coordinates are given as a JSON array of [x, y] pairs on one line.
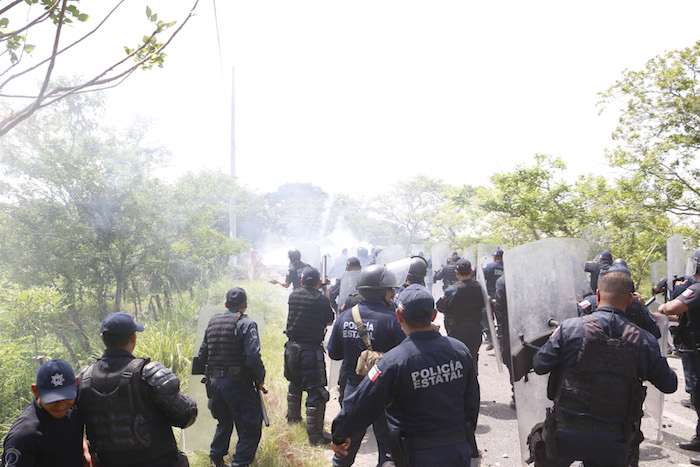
[[416, 304], [235, 297]]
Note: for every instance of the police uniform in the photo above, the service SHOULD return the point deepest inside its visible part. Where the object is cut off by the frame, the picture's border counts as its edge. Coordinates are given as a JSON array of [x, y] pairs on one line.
[[688, 328], [492, 272], [596, 269], [345, 344], [462, 305], [600, 361], [36, 438], [447, 275], [429, 389], [294, 273], [500, 308], [231, 351], [129, 404], [636, 312], [304, 363]]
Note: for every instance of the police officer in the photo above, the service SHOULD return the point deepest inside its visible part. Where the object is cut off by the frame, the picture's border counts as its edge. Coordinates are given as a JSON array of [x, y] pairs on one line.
[[352, 264], [500, 308], [462, 305], [636, 312], [376, 286], [304, 364], [447, 273], [296, 266], [129, 404], [428, 387], [596, 268], [598, 363], [492, 271], [687, 305], [235, 371], [417, 271], [49, 432]]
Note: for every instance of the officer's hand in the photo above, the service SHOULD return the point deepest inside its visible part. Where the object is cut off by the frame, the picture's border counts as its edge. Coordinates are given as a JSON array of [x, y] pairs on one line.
[[273, 281], [341, 449], [87, 457], [261, 386]]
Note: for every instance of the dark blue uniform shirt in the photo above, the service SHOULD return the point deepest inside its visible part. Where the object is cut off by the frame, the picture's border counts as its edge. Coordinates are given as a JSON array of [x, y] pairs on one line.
[[38, 439], [427, 384], [636, 312], [294, 274], [492, 272], [566, 343], [345, 343]]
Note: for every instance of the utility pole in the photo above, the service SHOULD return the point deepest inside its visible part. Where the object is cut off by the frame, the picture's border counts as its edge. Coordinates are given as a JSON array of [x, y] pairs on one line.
[[233, 260]]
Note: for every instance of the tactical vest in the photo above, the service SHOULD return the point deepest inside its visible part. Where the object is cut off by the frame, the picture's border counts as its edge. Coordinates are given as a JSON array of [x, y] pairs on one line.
[[606, 376], [225, 349], [304, 322], [122, 427], [466, 303]]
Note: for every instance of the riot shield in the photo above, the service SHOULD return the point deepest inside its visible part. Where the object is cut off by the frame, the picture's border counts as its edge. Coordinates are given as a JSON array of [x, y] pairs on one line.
[[389, 254], [657, 271], [676, 260], [348, 284], [310, 254], [489, 316], [654, 402], [470, 254], [198, 437], [544, 282], [484, 253], [438, 256], [399, 271]]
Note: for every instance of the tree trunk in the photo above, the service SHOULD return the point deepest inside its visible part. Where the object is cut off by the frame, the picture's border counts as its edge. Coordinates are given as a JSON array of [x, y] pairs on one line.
[[69, 347]]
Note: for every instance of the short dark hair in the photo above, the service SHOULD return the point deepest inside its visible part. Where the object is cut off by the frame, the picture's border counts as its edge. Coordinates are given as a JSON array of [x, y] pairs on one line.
[[115, 342], [615, 284]]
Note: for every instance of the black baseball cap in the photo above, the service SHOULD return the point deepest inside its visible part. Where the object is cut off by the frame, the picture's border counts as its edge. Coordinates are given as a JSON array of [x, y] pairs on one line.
[[416, 304], [120, 325], [498, 253], [55, 381], [464, 266], [310, 276], [235, 297], [353, 262], [606, 256]]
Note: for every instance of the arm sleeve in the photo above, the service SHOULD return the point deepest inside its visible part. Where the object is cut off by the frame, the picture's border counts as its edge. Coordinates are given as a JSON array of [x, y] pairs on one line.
[[471, 398], [660, 374], [549, 356], [362, 406], [335, 342], [590, 267], [179, 410], [443, 302], [20, 449], [204, 350], [248, 331]]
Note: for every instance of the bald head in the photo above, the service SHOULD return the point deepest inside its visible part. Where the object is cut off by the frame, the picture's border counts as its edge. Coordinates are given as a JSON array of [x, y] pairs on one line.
[[615, 289]]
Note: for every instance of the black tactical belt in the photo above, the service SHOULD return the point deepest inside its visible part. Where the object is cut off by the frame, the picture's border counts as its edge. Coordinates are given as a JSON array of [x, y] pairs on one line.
[[584, 424], [235, 373], [427, 442]]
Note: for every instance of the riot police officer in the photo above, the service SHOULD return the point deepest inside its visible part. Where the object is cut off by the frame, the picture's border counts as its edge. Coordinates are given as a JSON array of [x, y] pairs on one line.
[[447, 273], [416, 272], [462, 305], [296, 266], [493, 271], [129, 404], [235, 372], [428, 387], [352, 264], [304, 364], [598, 363], [376, 311], [49, 432], [596, 268], [687, 305]]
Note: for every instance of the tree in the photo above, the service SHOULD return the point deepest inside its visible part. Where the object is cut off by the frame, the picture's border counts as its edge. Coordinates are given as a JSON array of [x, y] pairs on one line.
[[19, 17], [659, 130]]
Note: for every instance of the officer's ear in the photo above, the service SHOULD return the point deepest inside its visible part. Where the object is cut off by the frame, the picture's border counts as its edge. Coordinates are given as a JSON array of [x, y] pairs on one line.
[[35, 390], [631, 297], [399, 317], [434, 316]]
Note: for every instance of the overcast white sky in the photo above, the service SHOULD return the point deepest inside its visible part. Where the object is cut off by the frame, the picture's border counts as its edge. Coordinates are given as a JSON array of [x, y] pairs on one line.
[[378, 91]]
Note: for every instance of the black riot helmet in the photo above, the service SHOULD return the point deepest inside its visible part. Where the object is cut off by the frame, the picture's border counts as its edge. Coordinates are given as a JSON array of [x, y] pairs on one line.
[[695, 262], [417, 270], [294, 255], [620, 262], [374, 280]]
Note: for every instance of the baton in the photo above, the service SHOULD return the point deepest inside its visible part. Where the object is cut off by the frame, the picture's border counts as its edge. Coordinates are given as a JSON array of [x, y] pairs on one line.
[[262, 405], [650, 301]]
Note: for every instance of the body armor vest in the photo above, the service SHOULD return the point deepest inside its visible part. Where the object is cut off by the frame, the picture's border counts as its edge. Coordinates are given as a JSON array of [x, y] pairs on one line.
[[304, 322], [466, 304], [225, 349], [606, 376], [121, 426]]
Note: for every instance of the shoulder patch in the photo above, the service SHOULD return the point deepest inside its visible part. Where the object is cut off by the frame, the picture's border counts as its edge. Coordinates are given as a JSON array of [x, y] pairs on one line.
[[687, 293], [374, 373], [584, 304]]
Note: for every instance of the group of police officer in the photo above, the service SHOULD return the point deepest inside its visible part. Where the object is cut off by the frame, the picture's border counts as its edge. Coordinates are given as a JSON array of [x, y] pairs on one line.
[[418, 388]]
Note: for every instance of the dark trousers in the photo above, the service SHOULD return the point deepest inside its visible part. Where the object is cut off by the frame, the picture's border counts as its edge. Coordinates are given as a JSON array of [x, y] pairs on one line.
[[594, 448], [454, 454], [235, 403], [381, 433], [308, 373], [470, 334], [692, 383]]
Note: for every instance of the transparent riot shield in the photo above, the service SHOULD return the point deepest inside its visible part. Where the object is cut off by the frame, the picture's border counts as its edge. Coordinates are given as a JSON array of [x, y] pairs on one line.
[[657, 271], [654, 402], [398, 272], [348, 284], [470, 254], [438, 256], [310, 254], [389, 254], [484, 253], [199, 436], [544, 282], [676, 260], [489, 315]]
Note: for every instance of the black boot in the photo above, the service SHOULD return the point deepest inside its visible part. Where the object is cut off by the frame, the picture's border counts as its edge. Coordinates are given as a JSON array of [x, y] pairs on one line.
[[314, 426], [293, 408], [692, 445], [219, 462]]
